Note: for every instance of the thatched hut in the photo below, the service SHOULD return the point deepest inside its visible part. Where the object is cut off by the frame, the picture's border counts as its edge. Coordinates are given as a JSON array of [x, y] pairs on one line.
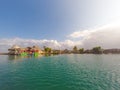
[[15, 49]]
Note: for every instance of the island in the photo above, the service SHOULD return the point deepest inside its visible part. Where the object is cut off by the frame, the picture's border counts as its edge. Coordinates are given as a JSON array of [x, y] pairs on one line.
[[36, 50]]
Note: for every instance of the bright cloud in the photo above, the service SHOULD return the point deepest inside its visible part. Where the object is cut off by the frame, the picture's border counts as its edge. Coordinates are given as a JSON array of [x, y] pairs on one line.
[[107, 36], [54, 44], [78, 34]]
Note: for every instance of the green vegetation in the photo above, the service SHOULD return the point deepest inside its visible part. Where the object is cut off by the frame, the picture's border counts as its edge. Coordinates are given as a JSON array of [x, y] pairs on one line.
[[75, 49], [94, 50], [97, 50], [47, 49], [81, 50]]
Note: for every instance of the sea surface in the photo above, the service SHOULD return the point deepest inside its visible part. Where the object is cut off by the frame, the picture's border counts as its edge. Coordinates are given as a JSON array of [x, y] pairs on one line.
[[60, 72]]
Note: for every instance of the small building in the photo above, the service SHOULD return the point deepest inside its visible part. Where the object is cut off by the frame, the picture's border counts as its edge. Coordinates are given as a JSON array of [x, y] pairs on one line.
[[16, 50]]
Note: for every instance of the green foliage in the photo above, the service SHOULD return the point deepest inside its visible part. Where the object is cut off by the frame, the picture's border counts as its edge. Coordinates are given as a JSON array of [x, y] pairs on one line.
[[75, 48], [81, 50], [97, 50], [47, 49]]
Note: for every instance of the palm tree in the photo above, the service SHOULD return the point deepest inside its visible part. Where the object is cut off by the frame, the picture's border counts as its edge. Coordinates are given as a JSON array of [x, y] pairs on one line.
[[81, 50], [75, 49], [97, 50], [47, 49]]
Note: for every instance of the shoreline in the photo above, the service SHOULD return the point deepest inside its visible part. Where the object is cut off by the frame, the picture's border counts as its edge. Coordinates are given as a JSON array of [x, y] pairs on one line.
[[4, 54], [64, 53]]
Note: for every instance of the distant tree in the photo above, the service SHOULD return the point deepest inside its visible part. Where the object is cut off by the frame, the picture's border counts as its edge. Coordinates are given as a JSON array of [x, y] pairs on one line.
[[47, 49], [97, 50], [81, 50], [75, 49]]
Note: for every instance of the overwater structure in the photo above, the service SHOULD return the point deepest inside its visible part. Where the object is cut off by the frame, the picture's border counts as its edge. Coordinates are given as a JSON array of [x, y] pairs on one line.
[[17, 50]]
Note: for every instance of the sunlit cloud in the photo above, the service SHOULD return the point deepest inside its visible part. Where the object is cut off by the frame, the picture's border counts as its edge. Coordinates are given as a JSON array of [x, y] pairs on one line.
[[78, 34], [54, 44], [106, 36]]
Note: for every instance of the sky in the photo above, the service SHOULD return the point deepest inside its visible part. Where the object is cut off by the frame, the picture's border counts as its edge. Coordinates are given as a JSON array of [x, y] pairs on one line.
[[60, 24]]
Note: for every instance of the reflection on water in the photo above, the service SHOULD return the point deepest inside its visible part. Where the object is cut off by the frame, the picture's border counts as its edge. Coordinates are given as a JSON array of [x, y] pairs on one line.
[[18, 57], [60, 72], [47, 55]]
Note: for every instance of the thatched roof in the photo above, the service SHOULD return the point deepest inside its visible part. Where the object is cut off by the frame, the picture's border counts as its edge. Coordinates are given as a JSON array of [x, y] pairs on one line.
[[15, 47]]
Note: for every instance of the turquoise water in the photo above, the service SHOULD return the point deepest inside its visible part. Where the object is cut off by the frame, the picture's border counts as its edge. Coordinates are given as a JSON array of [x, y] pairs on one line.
[[60, 72]]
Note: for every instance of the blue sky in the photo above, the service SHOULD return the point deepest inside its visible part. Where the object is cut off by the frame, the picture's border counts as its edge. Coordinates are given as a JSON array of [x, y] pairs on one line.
[[47, 19], [68, 22], [38, 19]]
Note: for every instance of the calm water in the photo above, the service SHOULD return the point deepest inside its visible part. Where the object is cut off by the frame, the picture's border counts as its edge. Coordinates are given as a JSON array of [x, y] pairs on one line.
[[60, 72]]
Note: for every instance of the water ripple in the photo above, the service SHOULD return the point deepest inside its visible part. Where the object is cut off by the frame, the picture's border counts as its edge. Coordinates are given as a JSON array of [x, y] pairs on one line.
[[67, 72]]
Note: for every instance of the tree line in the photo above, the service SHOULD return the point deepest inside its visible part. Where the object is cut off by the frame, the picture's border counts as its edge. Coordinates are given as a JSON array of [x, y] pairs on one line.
[[95, 50], [76, 50]]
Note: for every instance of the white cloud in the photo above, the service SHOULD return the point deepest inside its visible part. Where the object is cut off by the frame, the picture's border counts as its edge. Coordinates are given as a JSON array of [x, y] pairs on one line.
[[82, 34], [107, 36], [7, 43]]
